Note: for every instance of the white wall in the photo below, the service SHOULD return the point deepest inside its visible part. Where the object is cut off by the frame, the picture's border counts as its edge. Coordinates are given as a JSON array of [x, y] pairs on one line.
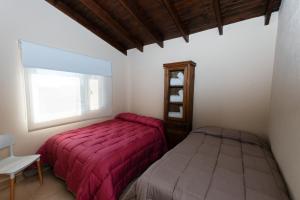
[[233, 75], [39, 22], [285, 104]]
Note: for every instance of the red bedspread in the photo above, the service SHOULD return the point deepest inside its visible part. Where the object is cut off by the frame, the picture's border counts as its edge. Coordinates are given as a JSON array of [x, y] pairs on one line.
[[98, 161]]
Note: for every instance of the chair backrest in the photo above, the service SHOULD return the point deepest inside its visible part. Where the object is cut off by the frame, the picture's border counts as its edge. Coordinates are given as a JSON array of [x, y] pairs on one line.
[[6, 141]]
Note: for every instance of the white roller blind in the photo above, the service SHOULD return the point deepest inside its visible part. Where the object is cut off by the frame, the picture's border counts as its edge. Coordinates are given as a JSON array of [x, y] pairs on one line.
[[43, 57]]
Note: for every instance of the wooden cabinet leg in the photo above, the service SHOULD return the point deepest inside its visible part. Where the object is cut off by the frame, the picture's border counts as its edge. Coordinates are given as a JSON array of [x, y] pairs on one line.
[[12, 188], [40, 171]]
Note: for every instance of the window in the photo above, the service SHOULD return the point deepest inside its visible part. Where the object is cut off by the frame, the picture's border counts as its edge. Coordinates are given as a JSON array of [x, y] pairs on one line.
[[55, 95], [63, 87]]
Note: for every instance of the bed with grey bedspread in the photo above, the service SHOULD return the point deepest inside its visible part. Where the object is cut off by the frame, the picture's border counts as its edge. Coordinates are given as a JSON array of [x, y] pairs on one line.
[[212, 164]]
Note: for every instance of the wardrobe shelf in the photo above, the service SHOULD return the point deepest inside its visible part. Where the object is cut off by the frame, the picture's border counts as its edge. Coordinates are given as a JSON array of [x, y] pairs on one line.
[[176, 86], [176, 103]]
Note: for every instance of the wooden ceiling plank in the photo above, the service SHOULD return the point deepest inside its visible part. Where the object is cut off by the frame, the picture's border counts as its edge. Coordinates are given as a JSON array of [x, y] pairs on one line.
[[84, 22], [218, 13], [132, 9], [97, 10], [173, 14], [269, 10]]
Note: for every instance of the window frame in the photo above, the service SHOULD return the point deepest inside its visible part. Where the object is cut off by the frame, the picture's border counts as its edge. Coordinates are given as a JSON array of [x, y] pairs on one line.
[[105, 109]]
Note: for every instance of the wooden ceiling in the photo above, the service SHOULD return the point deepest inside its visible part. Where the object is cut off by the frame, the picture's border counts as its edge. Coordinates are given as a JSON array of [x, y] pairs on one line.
[[127, 24]]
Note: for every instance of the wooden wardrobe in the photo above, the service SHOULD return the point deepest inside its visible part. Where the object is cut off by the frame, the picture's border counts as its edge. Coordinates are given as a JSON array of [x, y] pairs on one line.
[[178, 100]]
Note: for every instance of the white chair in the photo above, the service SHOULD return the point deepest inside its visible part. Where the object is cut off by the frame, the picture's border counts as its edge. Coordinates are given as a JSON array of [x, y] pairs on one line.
[[12, 165]]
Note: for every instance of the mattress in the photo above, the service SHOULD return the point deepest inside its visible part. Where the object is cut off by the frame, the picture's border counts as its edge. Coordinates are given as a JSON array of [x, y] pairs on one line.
[[98, 161], [213, 164]]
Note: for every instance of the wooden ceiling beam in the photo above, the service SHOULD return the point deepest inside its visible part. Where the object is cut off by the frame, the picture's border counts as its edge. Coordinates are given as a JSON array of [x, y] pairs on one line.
[[125, 21], [173, 14], [97, 10], [218, 13], [134, 11], [84, 22], [269, 10]]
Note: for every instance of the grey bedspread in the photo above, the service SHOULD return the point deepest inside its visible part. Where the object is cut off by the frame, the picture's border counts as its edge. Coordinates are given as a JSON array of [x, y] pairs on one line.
[[212, 164]]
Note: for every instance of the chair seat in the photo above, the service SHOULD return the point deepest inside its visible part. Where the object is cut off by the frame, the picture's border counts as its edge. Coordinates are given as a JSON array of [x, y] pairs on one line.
[[15, 164]]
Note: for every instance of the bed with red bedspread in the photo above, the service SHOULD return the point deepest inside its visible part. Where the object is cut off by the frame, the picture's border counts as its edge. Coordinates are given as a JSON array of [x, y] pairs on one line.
[[99, 161]]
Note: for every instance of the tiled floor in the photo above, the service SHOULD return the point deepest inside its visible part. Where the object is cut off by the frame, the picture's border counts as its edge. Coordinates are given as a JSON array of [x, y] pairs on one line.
[[30, 189]]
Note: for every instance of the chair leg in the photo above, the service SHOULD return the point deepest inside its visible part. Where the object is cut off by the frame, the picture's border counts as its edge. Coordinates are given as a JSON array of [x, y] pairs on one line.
[[38, 162], [12, 187]]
